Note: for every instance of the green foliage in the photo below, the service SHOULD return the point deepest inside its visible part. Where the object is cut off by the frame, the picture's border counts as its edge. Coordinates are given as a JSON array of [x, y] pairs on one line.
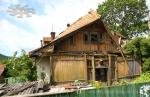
[[98, 84], [21, 66], [134, 47], [146, 65], [137, 44], [139, 47], [125, 16], [146, 47], [121, 82], [143, 78]]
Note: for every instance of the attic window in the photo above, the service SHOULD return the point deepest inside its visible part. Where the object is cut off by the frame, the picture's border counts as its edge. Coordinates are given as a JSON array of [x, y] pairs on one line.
[[96, 37]]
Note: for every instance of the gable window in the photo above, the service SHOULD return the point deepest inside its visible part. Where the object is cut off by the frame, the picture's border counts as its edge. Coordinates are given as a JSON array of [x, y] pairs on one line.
[[96, 37], [92, 37]]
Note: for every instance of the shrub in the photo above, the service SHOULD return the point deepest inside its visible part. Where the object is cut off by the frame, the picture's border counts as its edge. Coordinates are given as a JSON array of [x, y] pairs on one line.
[[145, 77]]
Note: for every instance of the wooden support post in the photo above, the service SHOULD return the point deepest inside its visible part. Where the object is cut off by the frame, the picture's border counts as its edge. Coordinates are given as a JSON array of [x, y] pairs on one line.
[[93, 69], [109, 71], [116, 70], [85, 63]]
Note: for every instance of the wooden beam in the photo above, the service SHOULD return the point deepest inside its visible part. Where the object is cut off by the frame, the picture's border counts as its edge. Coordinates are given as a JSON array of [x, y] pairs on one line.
[[85, 63], [70, 59], [116, 70], [109, 71], [117, 44], [93, 69], [67, 54]]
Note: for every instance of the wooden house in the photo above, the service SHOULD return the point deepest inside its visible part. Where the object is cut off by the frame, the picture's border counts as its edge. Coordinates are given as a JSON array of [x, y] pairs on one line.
[[85, 50]]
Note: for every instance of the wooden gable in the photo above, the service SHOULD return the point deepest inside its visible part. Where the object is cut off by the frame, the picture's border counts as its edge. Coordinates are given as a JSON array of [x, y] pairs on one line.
[[73, 38], [90, 38]]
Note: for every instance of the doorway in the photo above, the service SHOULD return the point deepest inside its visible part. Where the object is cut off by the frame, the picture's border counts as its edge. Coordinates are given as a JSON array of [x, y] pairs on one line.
[[101, 74]]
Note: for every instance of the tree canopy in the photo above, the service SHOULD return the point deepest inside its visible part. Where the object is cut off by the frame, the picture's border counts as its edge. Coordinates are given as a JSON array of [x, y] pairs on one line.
[[127, 17], [21, 67]]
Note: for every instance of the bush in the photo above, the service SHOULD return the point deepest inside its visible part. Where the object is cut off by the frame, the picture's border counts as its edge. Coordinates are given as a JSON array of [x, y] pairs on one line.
[[145, 77], [98, 84], [20, 66], [146, 65]]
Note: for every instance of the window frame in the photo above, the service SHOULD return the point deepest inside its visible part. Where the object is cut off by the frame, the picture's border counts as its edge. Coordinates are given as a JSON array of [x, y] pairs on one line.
[[98, 37]]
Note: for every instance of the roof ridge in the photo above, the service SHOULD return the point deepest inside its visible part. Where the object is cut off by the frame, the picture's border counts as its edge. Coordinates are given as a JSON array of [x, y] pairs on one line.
[[89, 14]]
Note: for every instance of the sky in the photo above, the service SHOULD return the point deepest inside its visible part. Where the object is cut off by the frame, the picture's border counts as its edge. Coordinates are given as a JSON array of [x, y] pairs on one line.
[[51, 15]]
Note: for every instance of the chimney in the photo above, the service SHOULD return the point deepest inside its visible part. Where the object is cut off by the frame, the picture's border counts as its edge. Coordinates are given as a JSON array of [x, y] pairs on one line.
[[52, 35], [41, 43]]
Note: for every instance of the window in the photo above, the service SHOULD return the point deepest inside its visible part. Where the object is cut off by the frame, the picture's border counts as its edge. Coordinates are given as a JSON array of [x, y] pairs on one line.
[[92, 37], [96, 37]]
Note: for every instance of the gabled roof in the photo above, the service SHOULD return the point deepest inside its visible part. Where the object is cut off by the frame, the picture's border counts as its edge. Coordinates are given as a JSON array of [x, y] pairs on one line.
[[91, 17], [81, 22]]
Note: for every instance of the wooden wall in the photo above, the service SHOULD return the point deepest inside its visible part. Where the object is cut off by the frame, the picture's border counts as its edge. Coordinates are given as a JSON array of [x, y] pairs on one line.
[[69, 68], [133, 68], [106, 44]]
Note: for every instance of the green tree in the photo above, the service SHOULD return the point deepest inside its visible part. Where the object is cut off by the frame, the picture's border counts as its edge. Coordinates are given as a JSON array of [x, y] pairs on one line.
[[21, 66], [146, 65], [133, 47], [127, 17], [139, 47]]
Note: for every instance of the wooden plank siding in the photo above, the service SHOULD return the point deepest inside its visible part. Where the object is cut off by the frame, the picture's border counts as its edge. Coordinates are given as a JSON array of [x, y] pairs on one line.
[[133, 68], [105, 45], [69, 68]]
